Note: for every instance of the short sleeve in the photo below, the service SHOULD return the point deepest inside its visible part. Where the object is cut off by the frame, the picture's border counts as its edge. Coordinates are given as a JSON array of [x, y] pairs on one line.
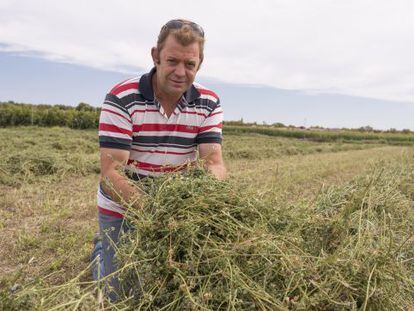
[[115, 125], [211, 129]]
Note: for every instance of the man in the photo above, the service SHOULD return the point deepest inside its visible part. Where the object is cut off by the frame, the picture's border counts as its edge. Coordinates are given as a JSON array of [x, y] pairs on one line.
[[154, 124]]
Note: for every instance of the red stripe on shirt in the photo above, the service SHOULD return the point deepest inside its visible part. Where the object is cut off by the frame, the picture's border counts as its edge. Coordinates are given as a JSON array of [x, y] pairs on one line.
[[109, 212], [156, 168], [117, 85], [156, 127], [216, 113], [123, 87], [207, 92], [116, 113], [113, 128], [206, 128], [162, 152]]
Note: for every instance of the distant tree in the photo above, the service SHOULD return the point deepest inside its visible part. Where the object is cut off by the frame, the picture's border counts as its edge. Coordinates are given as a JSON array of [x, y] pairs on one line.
[[366, 128], [316, 127], [84, 107], [278, 124], [63, 107]]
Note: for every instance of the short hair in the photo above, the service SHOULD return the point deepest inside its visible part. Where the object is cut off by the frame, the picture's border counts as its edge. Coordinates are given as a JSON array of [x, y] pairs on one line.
[[187, 34]]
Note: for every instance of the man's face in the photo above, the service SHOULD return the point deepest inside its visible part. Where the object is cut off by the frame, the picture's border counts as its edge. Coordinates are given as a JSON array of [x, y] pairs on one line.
[[177, 66]]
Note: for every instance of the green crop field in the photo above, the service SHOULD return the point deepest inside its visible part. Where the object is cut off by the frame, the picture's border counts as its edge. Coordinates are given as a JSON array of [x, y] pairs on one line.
[[48, 182]]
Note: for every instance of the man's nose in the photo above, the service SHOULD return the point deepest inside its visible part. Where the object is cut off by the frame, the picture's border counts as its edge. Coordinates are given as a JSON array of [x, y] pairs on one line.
[[180, 70]]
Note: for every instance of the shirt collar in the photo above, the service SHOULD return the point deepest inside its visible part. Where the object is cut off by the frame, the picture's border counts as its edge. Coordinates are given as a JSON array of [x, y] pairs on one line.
[[145, 88]]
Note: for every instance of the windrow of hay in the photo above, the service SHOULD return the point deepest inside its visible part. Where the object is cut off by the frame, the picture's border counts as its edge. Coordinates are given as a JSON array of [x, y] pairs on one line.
[[28, 166], [202, 244], [33, 154]]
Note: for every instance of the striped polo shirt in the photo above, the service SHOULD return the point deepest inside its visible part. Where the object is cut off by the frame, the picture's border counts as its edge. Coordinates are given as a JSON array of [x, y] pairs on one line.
[[132, 119]]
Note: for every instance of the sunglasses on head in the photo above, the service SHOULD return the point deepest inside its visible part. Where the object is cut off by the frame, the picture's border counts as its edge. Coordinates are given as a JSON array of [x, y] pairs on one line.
[[178, 23]]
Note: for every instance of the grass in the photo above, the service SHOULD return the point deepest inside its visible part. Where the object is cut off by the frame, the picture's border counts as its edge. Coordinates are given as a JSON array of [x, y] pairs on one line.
[[46, 229], [297, 177], [255, 146], [48, 179]]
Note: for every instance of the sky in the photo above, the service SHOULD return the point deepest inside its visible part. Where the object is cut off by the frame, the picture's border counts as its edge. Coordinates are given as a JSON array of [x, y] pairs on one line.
[[353, 48]]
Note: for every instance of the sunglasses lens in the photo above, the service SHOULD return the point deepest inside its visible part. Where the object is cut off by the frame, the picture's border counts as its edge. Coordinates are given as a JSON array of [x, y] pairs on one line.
[[198, 28], [177, 24], [174, 24]]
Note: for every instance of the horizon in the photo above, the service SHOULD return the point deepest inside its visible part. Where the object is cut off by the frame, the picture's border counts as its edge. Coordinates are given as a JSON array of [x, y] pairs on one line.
[[241, 122]]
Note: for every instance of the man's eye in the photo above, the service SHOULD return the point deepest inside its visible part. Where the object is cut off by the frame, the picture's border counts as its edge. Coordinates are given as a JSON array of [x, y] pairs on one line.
[[171, 61]]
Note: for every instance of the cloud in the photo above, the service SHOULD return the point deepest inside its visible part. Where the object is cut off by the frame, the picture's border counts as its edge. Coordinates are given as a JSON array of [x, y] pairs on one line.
[[353, 47]]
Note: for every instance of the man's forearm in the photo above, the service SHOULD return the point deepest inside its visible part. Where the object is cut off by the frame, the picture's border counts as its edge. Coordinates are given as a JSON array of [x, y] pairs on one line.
[[119, 188]]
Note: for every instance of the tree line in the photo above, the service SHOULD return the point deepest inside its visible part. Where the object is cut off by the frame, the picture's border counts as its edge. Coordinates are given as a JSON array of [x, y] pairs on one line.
[[83, 116]]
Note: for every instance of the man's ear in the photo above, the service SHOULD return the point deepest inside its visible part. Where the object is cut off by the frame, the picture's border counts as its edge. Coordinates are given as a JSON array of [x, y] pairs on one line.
[[155, 55]]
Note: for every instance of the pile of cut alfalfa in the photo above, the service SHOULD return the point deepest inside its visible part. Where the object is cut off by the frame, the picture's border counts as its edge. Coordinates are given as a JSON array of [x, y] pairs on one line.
[[200, 244]]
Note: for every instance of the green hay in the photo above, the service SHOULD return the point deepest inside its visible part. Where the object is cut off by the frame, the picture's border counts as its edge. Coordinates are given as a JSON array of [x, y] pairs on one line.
[[202, 244], [198, 243]]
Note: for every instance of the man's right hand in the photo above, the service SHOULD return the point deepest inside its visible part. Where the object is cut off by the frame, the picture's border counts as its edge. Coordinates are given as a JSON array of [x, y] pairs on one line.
[[113, 182]]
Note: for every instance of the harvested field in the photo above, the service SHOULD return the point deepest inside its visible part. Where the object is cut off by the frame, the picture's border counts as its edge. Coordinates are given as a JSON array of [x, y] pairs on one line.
[[329, 226]]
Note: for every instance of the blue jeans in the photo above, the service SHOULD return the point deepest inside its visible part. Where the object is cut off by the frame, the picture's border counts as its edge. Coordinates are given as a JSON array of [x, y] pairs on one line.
[[103, 255]]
